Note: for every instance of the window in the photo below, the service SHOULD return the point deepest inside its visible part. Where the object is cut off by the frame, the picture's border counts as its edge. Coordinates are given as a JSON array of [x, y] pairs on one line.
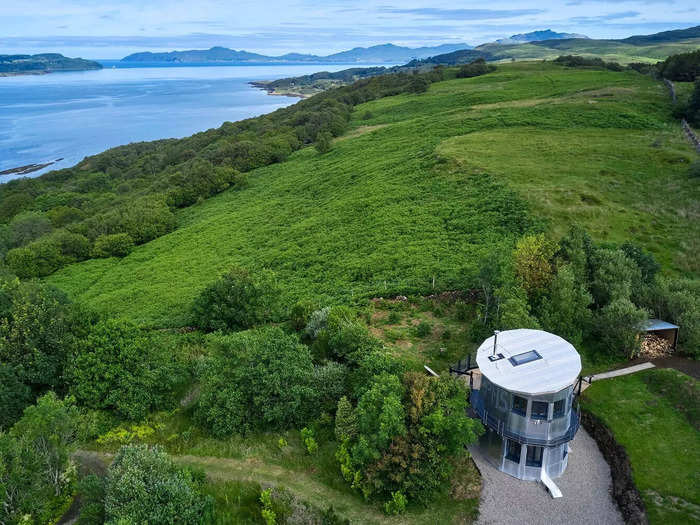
[[513, 451], [539, 410], [525, 357], [519, 405], [566, 451], [559, 408], [534, 456]]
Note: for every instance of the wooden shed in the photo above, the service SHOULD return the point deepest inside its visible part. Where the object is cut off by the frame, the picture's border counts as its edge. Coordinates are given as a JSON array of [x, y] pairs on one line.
[[663, 329]]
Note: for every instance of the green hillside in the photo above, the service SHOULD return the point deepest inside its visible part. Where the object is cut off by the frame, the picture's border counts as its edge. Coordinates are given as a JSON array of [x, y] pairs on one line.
[[422, 186]]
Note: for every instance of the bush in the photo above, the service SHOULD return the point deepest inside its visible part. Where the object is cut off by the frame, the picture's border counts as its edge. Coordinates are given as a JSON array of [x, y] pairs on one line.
[[619, 325], [259, 380], [92, 500], [39, 328], [237, 301], [396, 505], [565, 309], [301, 314], [424, 329], [37, 472], [143, 485], [419, 423], [307, 436], [15, 396], [324, 142], [476, 68], [345, 421], [117, 368], [114, 245]]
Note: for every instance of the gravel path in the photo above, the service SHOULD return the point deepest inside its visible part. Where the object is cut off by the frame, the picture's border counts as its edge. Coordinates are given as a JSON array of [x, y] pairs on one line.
[[585, 487]]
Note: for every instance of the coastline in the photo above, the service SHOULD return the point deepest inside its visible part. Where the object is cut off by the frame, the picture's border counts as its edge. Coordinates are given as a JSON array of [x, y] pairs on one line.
[[28, 168], [19, 73], [278, 92]]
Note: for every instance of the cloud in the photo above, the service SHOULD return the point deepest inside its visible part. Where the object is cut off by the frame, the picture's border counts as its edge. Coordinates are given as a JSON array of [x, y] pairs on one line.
[[462, 14], [600, 19]]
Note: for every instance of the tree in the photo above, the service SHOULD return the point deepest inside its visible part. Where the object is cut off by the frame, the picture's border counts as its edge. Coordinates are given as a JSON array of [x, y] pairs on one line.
[[532, 263], [36, 474], [258, 380], [144, 485], [613, 276], [345, 421], [514, 309], [117, 368], [39, 327], [618, 325], [324, 142], [407, 436], [15, 396], [236, 301], [565, 309], [115, 245]]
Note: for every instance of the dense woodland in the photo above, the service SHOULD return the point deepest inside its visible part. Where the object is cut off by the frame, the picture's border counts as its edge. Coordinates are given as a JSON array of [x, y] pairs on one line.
[[70, 376]]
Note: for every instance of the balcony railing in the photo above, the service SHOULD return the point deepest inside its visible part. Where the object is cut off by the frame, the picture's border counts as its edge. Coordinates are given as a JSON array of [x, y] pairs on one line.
[[498, 425]]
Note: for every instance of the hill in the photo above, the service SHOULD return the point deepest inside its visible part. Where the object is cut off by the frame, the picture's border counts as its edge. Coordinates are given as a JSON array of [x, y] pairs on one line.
[[44, 63], [389, 53], [422, 187], [536, 36]]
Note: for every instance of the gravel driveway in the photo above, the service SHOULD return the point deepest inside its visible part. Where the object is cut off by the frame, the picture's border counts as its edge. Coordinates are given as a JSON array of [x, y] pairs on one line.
[[585, 487]]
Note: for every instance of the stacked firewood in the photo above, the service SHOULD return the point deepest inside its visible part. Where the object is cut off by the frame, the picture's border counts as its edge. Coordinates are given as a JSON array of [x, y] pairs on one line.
[[654, 346]]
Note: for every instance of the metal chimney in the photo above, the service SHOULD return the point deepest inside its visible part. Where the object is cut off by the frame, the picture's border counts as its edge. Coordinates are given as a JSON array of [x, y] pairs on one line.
[[495, 340]]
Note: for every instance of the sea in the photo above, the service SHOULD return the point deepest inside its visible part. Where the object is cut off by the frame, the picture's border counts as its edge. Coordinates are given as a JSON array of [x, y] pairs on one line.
[[72, 115]]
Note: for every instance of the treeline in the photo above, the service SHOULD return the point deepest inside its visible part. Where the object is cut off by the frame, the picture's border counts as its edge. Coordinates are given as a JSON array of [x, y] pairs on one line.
[[128, 195], [598, 295], [580, 61]]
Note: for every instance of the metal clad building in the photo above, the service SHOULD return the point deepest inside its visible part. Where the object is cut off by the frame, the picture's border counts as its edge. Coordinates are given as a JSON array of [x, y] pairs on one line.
[[525, 400]]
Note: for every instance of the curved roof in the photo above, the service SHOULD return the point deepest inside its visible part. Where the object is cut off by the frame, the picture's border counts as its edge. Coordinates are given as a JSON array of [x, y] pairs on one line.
[[534, 362]]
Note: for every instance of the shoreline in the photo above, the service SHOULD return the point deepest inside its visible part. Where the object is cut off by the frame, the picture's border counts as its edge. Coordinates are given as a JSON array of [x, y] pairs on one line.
[[264, 85], [28, 168]]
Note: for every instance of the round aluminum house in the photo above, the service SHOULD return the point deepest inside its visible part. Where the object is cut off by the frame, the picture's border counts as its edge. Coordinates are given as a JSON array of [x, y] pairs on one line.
[[525, 400]]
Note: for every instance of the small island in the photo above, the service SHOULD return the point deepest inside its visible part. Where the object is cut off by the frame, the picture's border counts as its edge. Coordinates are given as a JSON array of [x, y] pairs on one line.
[[11, 65]]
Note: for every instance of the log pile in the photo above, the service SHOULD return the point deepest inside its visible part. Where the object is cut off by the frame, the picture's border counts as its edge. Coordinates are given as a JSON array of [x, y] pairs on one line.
[[654, 346]]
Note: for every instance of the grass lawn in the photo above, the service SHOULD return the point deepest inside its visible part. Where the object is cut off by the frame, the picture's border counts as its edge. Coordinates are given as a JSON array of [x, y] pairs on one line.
[[655, 415], [423, 188]]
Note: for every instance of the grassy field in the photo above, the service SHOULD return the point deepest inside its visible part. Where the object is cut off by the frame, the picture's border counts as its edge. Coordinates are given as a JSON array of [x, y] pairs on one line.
[[425, 186], [654, 415]]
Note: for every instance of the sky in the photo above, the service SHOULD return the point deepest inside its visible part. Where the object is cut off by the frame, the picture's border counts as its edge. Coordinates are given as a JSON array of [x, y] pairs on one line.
[[114, 28]]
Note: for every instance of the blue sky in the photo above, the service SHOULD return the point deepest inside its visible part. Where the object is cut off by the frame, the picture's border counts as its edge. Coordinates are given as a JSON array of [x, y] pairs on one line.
[[112, 29]]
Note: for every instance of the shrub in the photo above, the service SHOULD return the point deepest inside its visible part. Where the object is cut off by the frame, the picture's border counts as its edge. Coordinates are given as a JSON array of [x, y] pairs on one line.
[[318, 321], [331, 382], [424, 329], [117, 368], [237, 301], [144, 485], [15, 396], [39, 328], [565, 309], [419, 423], [324, 142], [301, 314], [92, 504], [267, 512], [476, 68], [678, 301], [114, 245], [613, 275], [418, 84], [37, 473], [618, 327], [259, 380], [307, 436], [532, 263], [345, 420], [396, 505]]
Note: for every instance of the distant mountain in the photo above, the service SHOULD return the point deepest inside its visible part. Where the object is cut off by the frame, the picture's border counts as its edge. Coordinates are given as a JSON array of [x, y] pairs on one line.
[[677, 35], [385, 53], [43, 63], [536, 36]]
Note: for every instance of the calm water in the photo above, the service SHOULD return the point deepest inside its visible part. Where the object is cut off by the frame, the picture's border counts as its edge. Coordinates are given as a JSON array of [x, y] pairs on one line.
[[72, 115]]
